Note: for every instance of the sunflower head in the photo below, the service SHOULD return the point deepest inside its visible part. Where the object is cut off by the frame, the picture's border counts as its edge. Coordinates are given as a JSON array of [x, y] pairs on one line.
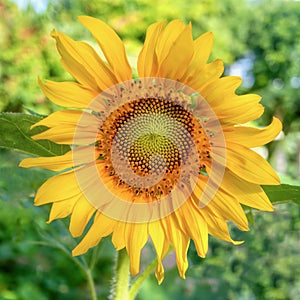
[[155, 136], [163, 156]]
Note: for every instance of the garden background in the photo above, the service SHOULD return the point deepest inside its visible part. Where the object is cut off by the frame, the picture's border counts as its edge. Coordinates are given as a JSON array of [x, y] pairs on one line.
[[257, 40]]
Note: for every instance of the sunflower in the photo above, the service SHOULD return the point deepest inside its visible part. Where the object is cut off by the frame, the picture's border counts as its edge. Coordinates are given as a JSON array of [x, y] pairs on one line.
[[162, 157]]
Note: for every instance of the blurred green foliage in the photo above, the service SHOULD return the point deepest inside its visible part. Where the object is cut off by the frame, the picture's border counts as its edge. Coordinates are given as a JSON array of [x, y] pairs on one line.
[[260, 37], [33, 265], [275, 44]]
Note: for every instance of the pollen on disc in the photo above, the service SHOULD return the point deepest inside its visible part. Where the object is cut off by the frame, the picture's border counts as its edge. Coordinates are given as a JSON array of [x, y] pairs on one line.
[[152, 135]]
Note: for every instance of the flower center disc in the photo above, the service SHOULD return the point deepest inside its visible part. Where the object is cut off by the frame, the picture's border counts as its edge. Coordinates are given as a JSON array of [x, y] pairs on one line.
[[155, 138], [151, 135]]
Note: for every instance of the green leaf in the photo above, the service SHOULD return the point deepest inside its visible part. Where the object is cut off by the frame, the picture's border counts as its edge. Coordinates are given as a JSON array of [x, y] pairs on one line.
[[283, 193], [15, 133], [250, 217], [32, 112]]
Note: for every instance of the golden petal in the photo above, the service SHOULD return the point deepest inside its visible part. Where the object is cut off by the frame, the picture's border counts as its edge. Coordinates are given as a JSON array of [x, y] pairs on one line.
[[217, 225], [66, 118], [83, 63], [136, 236], [69, 127], [253, 137], [161, 245], [68, 94], [118, 236], [199, 78], [61, 209], [167, 39], [250, 166], [111, 45], [202, 45], [101, 227], [202, 48], [196, 226], [180, 240], [224, 205], [54, 163], [81, 215], [60, 187], [215, 92], [245, 192], [147, 64], [178, 57]]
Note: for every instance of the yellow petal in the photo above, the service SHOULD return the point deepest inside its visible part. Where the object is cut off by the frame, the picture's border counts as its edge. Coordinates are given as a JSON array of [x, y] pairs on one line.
[[236, 109], [69, 127], [67, 118], [68, 94], [217, 226], [223, 204], [81, 215], [159, 272], [246, 193], [65, 135], [136, 236], [199, 78], [159, 238], [61, 209], [215, 91], [253, 137], [202, 45], [237, 102], [118, 237], [167, 39], [101, 227], [196, 226], [243, 109], [147, 60], [180, 240], [57, 188], [83, 63], [250, 166], [55, 163], [161, 244], [202, 48], [111, 45], [230, 209], [178, 57]]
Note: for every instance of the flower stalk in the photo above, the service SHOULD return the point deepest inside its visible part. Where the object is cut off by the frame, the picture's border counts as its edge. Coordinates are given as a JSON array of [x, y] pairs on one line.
[[121, 279], [140, 280], [91, 284]]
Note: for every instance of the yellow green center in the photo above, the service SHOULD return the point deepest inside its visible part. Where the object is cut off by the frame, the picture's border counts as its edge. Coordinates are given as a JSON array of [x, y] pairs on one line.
[[156, 145], [153, 136]]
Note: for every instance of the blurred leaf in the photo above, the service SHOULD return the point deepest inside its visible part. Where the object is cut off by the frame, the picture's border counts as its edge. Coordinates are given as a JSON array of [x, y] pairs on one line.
[[15, 133], [33, 113], [250, 217], [283, 193]]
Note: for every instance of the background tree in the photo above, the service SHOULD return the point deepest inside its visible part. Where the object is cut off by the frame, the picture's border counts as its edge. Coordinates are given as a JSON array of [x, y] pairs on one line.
[[261, 37]]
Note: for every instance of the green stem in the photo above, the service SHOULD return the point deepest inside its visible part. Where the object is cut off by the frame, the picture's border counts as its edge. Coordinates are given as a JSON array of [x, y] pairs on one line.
[[137, 284], [91, 284], [81, 264], [121, 280], [95, 256]]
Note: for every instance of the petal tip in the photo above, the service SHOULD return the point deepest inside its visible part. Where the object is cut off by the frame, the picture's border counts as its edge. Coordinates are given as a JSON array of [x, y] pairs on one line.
[[237, 242], [78, 251], [208, 35], [159, 273], [82, 19], [23, 164], [53, 33]]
